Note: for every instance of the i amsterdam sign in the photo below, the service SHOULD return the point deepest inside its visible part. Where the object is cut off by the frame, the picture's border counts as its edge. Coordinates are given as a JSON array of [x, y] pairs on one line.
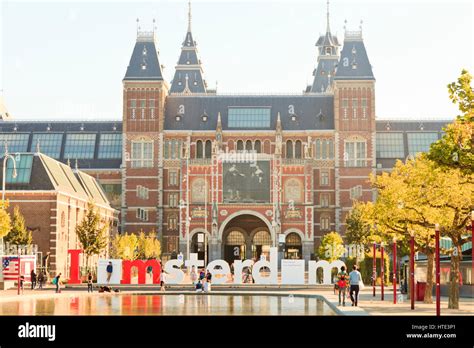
[[292, 271]]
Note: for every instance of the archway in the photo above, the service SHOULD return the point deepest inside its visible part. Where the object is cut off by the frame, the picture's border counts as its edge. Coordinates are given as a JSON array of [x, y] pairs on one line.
[[245, 236], [200, 245], [293, 246]]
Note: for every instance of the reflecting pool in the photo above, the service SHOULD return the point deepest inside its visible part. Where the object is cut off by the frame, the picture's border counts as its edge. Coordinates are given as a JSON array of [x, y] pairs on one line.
[[159, 304]]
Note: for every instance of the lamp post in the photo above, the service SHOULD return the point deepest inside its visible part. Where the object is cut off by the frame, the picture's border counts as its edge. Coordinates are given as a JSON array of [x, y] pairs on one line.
[[412, 269], [394, 279], [374, 267], [382, 272], [438, 294], [14, 175]]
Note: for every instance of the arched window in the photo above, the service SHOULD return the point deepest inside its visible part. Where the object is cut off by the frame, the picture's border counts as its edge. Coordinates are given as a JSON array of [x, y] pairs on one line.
[[298, 149], [248, 145], [258, 146], [208, 149], [235, 238], [293, 239], [262, 238], [240, 145], [199, 153], [289, 149]]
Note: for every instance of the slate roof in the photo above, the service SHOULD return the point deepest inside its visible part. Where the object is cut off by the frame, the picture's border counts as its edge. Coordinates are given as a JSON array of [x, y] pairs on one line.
[[321, 81], [353, 55], [312, 111], [47, 174], [144, 64]]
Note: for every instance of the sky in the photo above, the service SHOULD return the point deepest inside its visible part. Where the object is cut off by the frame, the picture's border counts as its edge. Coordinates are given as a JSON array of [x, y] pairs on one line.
[[64, 60]]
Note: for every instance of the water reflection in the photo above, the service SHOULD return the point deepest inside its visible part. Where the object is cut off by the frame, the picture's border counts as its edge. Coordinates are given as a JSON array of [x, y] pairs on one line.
[[151, 304]]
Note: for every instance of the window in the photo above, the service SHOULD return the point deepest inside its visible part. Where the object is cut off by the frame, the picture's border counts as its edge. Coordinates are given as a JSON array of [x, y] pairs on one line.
[[151, 102], [142, 153], [15, 142], [249, 118], [364, 107], [258, 146], [420, 142], [199, 150], [324, 200], [324, 149], [355, 105], [49, 144], [355, 154], [289, 149], [23, 163], [248, 146], [172, 149], [345, 105], [79, 145], [298, 149], [356, 192], [142, 192], [240, 145], [173, 200], [208, 149], [142, 214], [142, 103], [324, 178], [390, 145], [133, 103], [324, 223], [172, 178], [172, 222], [110, 145]]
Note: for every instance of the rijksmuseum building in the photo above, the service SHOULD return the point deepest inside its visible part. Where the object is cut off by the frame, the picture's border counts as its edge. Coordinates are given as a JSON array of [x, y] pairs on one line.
[[229, 176]]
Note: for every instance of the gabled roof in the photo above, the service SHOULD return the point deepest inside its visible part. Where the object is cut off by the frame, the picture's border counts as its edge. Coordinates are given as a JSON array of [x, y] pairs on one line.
[[144, 64], [324, 75], [354, 63]]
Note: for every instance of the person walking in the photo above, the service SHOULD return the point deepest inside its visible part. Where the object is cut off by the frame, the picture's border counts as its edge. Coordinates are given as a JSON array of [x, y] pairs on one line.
[[109, 270], [40, 280], [89, 282], [56, 281], [354, 279], [193, 275], [22, 284], [342, 278], [163, 280], [33, 279]]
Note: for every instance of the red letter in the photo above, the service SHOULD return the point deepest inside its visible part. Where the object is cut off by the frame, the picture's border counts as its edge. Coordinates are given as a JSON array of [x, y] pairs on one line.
[[74, 267], [141, 266]]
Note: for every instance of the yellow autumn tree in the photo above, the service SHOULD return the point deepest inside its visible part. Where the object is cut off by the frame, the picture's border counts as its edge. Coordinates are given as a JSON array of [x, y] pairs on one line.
[[5, 221], [125, 246]]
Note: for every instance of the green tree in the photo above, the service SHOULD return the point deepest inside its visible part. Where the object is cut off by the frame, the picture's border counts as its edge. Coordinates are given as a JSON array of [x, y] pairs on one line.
[[92, 233], [331, 247], [5, 221], [455, 148], [19, 234], [358, 232]]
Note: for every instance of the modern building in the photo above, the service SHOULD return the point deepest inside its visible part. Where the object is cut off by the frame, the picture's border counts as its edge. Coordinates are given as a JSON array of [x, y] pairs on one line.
[[53, 198], [228, 176]]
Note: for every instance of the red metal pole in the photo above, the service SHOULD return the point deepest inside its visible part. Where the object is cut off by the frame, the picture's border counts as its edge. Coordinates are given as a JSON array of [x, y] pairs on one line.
[[19, 274], [438, 295], [394, 272], [412, 271], [374, 268], [382, 273]]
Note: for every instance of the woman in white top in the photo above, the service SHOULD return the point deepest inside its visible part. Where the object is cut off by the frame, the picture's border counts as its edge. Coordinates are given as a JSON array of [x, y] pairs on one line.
[[193, 275], [162, 280]]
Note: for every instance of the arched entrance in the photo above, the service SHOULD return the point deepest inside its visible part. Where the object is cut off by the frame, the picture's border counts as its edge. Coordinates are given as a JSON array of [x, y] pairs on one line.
[[245, 236], [294, 247]]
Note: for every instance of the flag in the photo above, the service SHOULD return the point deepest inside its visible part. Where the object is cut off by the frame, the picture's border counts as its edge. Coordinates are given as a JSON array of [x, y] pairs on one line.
[[10, 268]]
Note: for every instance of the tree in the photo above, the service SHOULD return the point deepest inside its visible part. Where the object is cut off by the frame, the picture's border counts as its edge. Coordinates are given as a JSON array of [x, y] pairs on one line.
[[92, 233], [148, 246], [455, 148], [331, 247], [414, 197], [358, 231], [5, 221], [125, 246], [19, 234]]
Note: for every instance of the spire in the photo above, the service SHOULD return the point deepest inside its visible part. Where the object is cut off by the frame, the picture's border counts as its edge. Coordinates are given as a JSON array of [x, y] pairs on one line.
[[189, 16], [188, 77], [328, 29]]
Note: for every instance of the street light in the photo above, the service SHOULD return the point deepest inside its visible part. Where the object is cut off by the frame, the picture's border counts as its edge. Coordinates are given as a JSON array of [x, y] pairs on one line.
[[438, 294], [394, 279], [374, 267], [14, 175], [412, 269]]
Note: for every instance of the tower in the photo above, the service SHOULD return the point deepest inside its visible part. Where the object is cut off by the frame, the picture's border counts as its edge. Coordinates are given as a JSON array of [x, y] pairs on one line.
[[354, 112], [328, 57], [188, 77], [144, 93]]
